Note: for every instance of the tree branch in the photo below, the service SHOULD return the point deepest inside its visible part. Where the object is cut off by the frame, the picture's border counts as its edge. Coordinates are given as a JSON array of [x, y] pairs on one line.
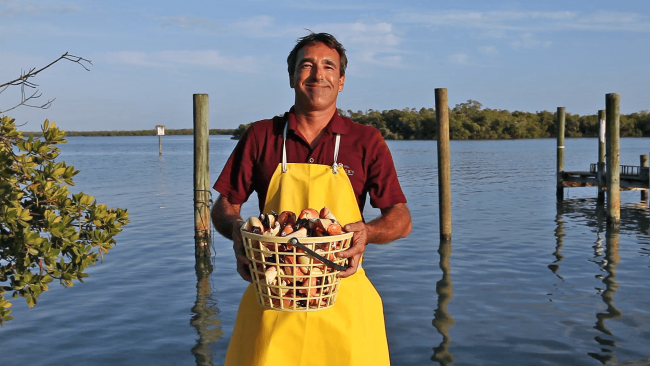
[[23, 81]]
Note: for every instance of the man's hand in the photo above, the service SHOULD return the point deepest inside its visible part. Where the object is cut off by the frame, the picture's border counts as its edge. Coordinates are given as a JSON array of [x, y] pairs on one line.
[[359, 242]]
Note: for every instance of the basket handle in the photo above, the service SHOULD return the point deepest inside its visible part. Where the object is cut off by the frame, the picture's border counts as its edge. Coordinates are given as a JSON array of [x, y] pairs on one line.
[[329, 263]]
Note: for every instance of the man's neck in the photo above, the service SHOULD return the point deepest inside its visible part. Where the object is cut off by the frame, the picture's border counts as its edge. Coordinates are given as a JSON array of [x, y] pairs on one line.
[[311, 123]]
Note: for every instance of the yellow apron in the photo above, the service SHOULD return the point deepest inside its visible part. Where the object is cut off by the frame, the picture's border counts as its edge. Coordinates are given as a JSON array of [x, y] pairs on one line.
[[352, 332]]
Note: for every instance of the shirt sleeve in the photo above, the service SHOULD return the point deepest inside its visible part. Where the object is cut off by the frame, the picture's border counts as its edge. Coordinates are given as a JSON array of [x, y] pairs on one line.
[[382, 183], [236, 179]]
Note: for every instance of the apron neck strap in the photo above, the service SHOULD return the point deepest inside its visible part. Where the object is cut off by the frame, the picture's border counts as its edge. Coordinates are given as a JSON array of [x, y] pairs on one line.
[[284, 150]]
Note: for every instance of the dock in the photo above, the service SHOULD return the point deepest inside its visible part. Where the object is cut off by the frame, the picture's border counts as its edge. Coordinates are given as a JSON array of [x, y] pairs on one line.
[[632, 178], [608, 175]]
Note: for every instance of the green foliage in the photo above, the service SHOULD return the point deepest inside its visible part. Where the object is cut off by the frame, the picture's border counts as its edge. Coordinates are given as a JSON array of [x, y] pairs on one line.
[[470, 121], [239, 132], [46, 233]]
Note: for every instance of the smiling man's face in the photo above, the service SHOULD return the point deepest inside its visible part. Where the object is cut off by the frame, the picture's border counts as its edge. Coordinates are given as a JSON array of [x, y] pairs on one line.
[[317, 78]]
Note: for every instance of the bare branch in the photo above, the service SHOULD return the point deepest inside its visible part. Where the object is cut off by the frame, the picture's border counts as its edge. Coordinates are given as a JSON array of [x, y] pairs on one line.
[[31, 73], [23, 81]]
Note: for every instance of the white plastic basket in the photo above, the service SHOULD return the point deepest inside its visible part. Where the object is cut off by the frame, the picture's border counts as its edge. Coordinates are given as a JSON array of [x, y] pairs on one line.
[[288, 278]]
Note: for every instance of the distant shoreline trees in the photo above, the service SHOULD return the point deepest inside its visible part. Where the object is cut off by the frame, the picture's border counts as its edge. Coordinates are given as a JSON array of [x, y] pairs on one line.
[[470, 121], [152, 132], [467, 121]]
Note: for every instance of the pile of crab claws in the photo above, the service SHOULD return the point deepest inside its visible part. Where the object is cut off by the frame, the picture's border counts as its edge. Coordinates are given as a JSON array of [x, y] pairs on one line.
[[283, 266]]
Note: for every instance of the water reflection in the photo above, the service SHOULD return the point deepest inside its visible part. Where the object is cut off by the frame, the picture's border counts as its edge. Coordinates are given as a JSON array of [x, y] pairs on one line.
[[205, 310], [608, 265], [442, 320], [634, 216], [606, 256], [559, 241]]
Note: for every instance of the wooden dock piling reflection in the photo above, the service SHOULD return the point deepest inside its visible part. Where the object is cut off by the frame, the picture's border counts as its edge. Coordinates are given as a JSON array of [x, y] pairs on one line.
[[205, 314], [442, 320]]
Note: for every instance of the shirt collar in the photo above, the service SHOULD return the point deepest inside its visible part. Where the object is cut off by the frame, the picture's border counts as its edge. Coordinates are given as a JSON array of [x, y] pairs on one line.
[[337, 124]]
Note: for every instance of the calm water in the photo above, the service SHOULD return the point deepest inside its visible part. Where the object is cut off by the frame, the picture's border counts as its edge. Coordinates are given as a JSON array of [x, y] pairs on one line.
[[525, 281]]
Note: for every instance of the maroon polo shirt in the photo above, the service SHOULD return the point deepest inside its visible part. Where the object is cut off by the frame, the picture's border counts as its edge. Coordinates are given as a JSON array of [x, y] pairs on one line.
[[362, 151]]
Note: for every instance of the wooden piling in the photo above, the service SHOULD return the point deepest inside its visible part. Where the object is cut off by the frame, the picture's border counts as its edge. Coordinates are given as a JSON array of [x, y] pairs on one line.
[[601, 156], [644, 163], [612, 111], [444, 166], [560, 121], [201, 176]]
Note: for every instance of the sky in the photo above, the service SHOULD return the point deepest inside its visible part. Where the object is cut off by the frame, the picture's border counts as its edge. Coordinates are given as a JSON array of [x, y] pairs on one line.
[[150, 57]]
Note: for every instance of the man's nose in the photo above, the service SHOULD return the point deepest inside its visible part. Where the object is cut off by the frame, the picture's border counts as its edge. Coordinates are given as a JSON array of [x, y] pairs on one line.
[[318, 73]]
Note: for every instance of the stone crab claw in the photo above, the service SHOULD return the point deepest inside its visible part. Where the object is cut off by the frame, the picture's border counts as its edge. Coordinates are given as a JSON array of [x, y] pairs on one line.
[[253, 225], [325, 213]]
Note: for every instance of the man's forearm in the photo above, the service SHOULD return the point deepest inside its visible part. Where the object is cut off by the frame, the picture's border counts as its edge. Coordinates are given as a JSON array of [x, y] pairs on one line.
[[224, 216], [394, 223]]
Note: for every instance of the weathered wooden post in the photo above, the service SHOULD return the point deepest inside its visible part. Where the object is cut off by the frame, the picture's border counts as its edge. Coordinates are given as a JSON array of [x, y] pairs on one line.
[[612, 111], [601, 156], [644, 163], [161, 131], [560, 120], [444, 166], [201, 175]]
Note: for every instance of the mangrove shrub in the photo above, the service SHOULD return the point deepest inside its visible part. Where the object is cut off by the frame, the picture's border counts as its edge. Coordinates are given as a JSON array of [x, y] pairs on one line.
[[46, 233]]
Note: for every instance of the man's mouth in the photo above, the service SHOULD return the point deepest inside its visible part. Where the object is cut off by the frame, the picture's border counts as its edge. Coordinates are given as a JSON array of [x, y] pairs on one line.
[[317, 85]]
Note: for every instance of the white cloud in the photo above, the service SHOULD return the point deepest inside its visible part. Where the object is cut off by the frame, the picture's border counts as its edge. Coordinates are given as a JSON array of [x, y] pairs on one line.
[[530, 20], [264, 26], [204, 58], [488, 50], [494, 20], [186, 22], [460, 59], [130, 58], [373, 43], [527, 40], [15, 8], [618, 21]]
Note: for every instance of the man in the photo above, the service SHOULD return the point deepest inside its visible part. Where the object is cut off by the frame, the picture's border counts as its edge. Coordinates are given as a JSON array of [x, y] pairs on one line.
[[315, 140]]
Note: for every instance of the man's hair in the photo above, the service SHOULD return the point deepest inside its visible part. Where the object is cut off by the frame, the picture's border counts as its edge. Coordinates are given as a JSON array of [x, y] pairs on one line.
[[314, 38]]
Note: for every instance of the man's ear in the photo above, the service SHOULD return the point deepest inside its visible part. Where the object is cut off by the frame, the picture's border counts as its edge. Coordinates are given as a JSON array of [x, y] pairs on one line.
[[291, 81], [341, 83]]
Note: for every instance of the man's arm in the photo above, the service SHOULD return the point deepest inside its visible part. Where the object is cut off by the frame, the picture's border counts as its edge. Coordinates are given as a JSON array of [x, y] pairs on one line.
[[394, 223], [227, 221], [224, 215]]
